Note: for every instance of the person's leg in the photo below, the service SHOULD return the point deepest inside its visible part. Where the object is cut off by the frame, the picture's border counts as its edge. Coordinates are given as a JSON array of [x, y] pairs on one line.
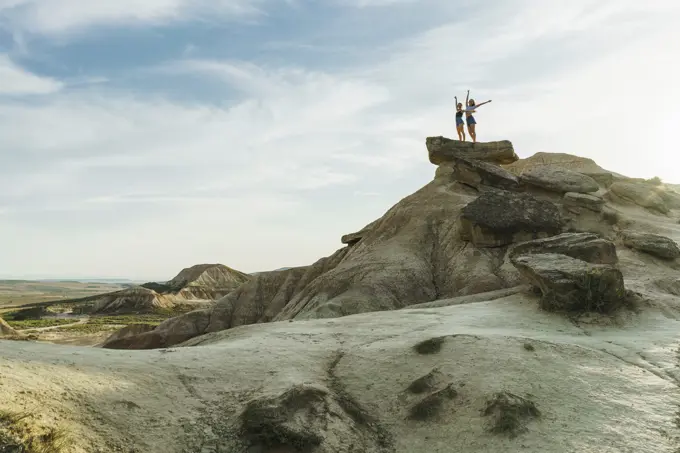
[[473, 133], [461, 132]]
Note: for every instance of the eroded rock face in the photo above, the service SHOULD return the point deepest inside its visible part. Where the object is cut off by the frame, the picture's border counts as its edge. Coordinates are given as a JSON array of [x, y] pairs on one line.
[[582, 200], [559, 180], [5, 329], [643, 195], [569, 284], [477, 173], [583, 246], [500, 218], [442, 149], [653, 244]]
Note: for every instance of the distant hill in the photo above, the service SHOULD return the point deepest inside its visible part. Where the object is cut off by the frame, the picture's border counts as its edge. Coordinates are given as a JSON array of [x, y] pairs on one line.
[[199, 283]]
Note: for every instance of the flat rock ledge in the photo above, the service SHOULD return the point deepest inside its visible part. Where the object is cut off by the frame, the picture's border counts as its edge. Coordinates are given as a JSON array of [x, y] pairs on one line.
[[587, 247], [441, 149], [556, 179]]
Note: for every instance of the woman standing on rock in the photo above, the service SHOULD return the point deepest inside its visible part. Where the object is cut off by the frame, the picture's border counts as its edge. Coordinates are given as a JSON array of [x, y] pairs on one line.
[[468, 115], [460, 124]]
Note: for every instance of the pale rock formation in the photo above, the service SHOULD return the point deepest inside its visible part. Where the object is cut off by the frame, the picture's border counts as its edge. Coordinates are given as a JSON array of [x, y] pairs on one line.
[[132, 300], [207, 281], [643, 195], [653, 244], [559, 180], [570, 284], [582, 200], [197, 285], [477, 173], [447, 240], [6, 330]]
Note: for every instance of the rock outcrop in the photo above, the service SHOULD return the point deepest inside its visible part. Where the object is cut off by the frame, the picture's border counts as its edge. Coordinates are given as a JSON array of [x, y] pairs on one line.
[[446, 241], [643, 195], [500, 218], [477, 173], [442, 149], [6, 330], [653, 244], [565, 161], [559, 180], [587, 247], [569, 284], [582, 200]]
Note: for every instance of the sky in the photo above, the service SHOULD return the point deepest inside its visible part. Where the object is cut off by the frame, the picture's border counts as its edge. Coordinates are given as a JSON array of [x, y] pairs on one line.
[[141, 137]]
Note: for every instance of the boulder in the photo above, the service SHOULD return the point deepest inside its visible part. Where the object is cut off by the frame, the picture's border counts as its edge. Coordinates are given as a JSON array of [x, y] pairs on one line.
[[570, 284], [476, 173], [499, 218], [641, 194], [583, 200], [559, 180], [605, 179], [653, 244], [442, 149], [587, 247]]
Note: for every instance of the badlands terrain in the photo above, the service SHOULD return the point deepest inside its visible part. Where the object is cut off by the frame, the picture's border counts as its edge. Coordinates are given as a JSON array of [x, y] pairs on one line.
[[509, 305]]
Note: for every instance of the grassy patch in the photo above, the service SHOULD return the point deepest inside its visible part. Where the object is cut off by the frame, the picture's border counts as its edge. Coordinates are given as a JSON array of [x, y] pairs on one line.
[[24, 431], [509, 413], [38, 323], [88, 328]]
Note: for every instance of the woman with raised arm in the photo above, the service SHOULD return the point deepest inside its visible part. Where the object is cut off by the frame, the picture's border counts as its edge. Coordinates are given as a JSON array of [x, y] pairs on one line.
[[471, 122], [460, 124]]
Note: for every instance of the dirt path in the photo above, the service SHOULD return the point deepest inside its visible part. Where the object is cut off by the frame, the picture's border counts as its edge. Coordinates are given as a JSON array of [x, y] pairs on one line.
[[44, 329]]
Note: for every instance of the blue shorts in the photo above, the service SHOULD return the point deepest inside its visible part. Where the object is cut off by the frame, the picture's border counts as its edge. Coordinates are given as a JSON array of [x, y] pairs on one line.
[[471, 120], [459, 122]]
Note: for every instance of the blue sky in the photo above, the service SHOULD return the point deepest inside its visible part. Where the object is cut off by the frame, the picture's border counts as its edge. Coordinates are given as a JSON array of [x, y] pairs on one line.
[[137, 138]]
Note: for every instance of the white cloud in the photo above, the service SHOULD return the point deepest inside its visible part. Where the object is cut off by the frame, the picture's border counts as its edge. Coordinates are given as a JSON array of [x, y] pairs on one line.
[[16, 81], [58, 16]]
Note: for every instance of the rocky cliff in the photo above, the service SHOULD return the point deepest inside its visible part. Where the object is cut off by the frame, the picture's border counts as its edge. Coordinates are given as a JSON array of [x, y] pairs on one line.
[[447, 240]]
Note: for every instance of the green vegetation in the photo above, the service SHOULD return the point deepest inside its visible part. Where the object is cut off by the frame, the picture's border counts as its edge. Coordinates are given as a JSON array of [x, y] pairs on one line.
[[38, 323], [24, 432]]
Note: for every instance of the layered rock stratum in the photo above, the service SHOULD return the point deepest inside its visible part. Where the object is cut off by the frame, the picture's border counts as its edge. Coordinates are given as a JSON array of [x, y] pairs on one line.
[[193, 285], [435, 328]]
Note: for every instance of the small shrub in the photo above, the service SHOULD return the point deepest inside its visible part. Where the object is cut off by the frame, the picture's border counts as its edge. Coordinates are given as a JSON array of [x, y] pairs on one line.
[[510, 413], [430, 346], [22, 429], [529, 347]]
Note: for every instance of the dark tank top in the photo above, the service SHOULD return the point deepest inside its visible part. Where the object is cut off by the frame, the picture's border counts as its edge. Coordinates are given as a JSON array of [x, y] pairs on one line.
[[459, 114]]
